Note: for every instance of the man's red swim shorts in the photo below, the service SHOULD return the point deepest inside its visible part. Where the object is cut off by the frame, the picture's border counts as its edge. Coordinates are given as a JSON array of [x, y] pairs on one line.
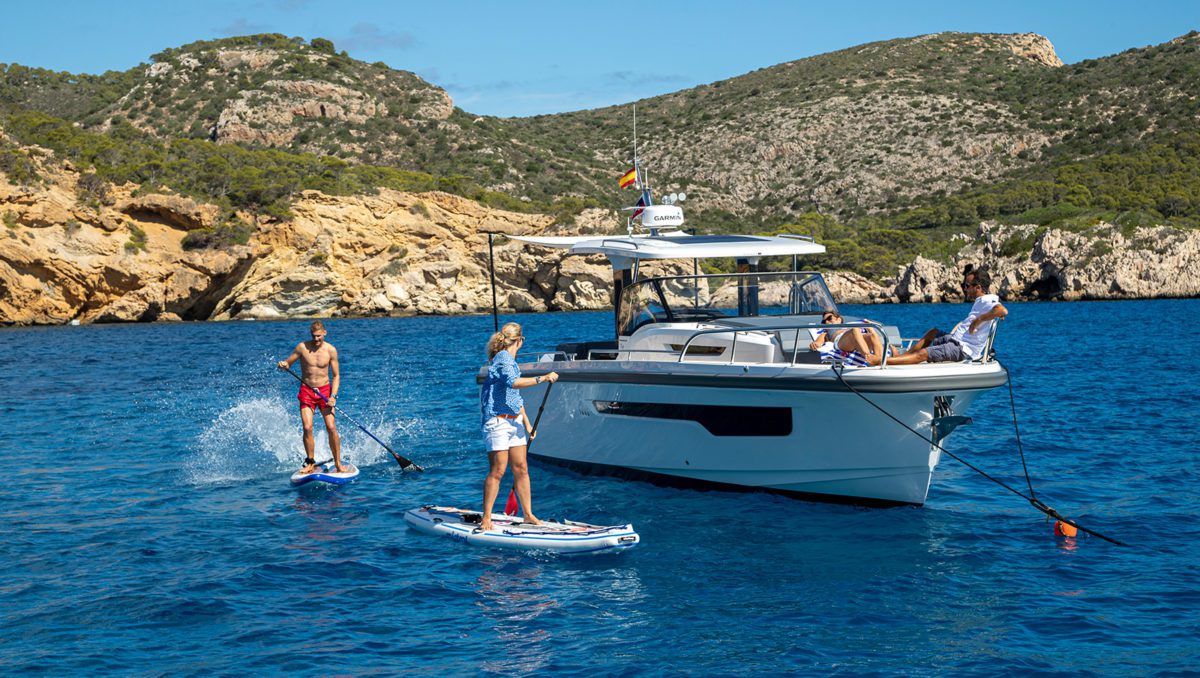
[[312, 400]]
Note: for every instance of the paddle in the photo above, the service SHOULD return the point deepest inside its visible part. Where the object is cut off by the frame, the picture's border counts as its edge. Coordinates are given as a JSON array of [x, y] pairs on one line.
[[511, 506], [405, 464]]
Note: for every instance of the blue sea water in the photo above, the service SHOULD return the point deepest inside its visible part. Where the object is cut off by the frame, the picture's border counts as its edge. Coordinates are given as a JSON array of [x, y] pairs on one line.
[[149, 529]]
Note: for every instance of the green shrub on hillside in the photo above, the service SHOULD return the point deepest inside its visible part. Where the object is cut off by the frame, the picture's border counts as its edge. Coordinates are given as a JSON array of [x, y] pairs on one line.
[[18, 167], [1139, 183], [260, 181], [137, 240], [323, 45], [230, 232]]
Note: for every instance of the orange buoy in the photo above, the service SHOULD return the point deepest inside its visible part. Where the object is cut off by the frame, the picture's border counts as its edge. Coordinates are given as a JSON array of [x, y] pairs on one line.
[[1062, 529]]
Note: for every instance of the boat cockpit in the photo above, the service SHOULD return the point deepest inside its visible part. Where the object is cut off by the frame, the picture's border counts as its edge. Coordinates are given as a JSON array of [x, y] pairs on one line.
[[757, 317], [722, 297]]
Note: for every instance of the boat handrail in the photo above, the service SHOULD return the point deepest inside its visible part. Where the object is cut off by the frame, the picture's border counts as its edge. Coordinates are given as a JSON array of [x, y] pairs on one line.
[[540, 356], [796, 236], [987, 346], [619, 243], [798, 327], [760, 274]]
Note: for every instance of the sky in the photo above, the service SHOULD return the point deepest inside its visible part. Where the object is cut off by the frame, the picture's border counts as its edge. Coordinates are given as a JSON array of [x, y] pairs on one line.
[[520, 58]]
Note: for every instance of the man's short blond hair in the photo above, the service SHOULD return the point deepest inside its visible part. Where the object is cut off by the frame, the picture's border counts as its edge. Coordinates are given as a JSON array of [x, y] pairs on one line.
[[316, 325]]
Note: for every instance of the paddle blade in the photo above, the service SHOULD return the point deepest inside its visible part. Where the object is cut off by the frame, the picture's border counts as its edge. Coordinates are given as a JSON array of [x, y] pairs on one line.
[[511, 507]]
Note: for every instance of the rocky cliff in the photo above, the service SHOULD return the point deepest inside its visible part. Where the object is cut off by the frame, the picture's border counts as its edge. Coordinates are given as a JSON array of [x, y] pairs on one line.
[[1033, 262], [123, 260], [65, 257]]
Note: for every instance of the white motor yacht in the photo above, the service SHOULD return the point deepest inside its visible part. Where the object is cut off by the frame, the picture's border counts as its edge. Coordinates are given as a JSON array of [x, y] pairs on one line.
[[709, 381]]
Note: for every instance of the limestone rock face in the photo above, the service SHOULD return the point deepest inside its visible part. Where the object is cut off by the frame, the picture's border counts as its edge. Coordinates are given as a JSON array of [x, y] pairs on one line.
[[253, 59], [176, 211], [1033, 47], [280, 92], [398, 253], [848, 287], [927, 281], [1031, 262], [266, 116], [64, 262]]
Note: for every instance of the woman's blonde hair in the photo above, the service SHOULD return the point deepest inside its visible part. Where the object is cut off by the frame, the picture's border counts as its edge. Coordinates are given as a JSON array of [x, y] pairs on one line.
[[507, 336]]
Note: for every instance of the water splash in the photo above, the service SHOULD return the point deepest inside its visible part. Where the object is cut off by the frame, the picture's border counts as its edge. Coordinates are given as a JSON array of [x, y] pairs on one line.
[[261, 437]]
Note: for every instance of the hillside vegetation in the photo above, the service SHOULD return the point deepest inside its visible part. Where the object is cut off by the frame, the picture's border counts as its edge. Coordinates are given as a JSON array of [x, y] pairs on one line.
[[883, 151]]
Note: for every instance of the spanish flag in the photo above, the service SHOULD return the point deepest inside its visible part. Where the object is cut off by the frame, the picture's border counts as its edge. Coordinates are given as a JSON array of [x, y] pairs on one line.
[[628, 178]]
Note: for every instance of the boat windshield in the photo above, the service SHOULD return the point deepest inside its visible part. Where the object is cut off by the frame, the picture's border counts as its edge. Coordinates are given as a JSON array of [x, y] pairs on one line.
[[711, 297]]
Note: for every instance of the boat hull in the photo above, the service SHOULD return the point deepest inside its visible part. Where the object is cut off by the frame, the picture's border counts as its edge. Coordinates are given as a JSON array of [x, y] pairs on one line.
[[801, 433]]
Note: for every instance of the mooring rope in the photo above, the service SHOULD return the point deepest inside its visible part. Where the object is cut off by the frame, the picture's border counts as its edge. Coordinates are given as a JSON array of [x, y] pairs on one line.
[[1012, 403], [1031, 498]]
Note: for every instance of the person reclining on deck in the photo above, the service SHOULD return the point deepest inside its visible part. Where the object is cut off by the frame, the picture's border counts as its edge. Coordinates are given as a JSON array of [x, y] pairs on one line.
[[858, 346], [969, 337]]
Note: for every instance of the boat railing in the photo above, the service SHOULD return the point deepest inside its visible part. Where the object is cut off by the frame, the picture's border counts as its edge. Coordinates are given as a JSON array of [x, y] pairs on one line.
[[540, 356], [988, 353], [987, 357], [790, 327], [619, 244], [763, 276]]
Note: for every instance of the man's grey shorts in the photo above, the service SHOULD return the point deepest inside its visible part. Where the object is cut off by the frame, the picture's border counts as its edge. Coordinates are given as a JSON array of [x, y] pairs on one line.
[[944, 349]]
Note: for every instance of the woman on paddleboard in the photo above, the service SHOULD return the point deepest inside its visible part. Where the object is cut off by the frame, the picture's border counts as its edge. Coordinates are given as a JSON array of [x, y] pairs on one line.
[[505, 425]]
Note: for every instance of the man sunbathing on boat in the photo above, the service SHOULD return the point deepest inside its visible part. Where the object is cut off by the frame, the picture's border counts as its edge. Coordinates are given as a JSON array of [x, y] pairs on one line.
[[968, 338], [858, 346]]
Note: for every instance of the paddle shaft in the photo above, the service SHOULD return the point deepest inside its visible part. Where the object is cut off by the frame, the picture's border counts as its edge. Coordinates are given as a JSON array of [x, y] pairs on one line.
[[405, 463], [536, 420]]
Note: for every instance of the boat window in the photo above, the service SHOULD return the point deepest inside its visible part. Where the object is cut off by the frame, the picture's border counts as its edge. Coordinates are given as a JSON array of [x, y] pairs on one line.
[[719, 420], [709, 297]]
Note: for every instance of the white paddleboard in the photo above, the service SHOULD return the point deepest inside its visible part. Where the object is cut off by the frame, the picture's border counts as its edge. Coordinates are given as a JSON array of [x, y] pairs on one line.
[[325, 475], [566, 536]]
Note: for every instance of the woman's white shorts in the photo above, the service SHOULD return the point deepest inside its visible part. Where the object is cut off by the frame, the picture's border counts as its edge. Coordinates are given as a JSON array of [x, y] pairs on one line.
[[501, 434]]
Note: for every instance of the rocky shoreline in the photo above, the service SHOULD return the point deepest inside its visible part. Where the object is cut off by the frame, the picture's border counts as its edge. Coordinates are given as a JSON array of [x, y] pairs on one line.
[[396, 253]]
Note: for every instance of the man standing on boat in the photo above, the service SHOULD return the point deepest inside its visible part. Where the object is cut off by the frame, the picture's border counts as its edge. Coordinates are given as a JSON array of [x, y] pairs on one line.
[[969, 338], [317, 392]]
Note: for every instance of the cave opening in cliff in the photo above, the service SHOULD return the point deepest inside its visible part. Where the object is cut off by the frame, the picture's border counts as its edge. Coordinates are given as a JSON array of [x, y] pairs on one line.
[[1045, 288]]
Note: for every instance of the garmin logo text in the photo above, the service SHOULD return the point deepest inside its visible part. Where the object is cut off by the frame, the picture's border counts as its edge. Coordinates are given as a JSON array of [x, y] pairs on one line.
[[665, 217]]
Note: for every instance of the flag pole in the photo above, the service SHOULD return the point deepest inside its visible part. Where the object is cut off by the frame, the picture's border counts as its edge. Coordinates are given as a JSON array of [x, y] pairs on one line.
[[636, 172]]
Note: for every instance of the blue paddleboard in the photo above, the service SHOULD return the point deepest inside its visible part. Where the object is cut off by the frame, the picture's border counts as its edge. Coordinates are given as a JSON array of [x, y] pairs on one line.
[[324, 475]]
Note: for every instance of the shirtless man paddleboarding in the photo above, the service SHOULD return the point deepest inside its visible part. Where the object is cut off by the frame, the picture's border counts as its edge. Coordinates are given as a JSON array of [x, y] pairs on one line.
[[317, 358]]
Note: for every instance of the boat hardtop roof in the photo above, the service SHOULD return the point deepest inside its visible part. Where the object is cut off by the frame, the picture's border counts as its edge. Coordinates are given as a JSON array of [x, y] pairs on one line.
[[679, 245]]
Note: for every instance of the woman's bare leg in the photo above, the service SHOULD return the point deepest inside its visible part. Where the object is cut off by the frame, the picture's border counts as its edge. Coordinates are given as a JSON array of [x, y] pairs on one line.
[[520, 467], [875, 344], [491, 484], [855, 340]]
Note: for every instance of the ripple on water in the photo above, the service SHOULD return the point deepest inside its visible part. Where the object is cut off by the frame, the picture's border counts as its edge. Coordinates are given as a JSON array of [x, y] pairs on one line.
[[150, 528]]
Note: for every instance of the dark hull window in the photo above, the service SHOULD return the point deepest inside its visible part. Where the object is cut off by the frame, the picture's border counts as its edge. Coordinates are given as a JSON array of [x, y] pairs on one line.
[[719, 420]]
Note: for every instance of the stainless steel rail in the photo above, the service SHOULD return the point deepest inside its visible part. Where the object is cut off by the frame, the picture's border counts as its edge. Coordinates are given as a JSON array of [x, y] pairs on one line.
[[797, 327], [540, 355]]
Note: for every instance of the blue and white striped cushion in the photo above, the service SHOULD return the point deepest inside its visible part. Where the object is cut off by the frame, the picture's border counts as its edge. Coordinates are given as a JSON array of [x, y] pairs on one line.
[[829, 353]]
